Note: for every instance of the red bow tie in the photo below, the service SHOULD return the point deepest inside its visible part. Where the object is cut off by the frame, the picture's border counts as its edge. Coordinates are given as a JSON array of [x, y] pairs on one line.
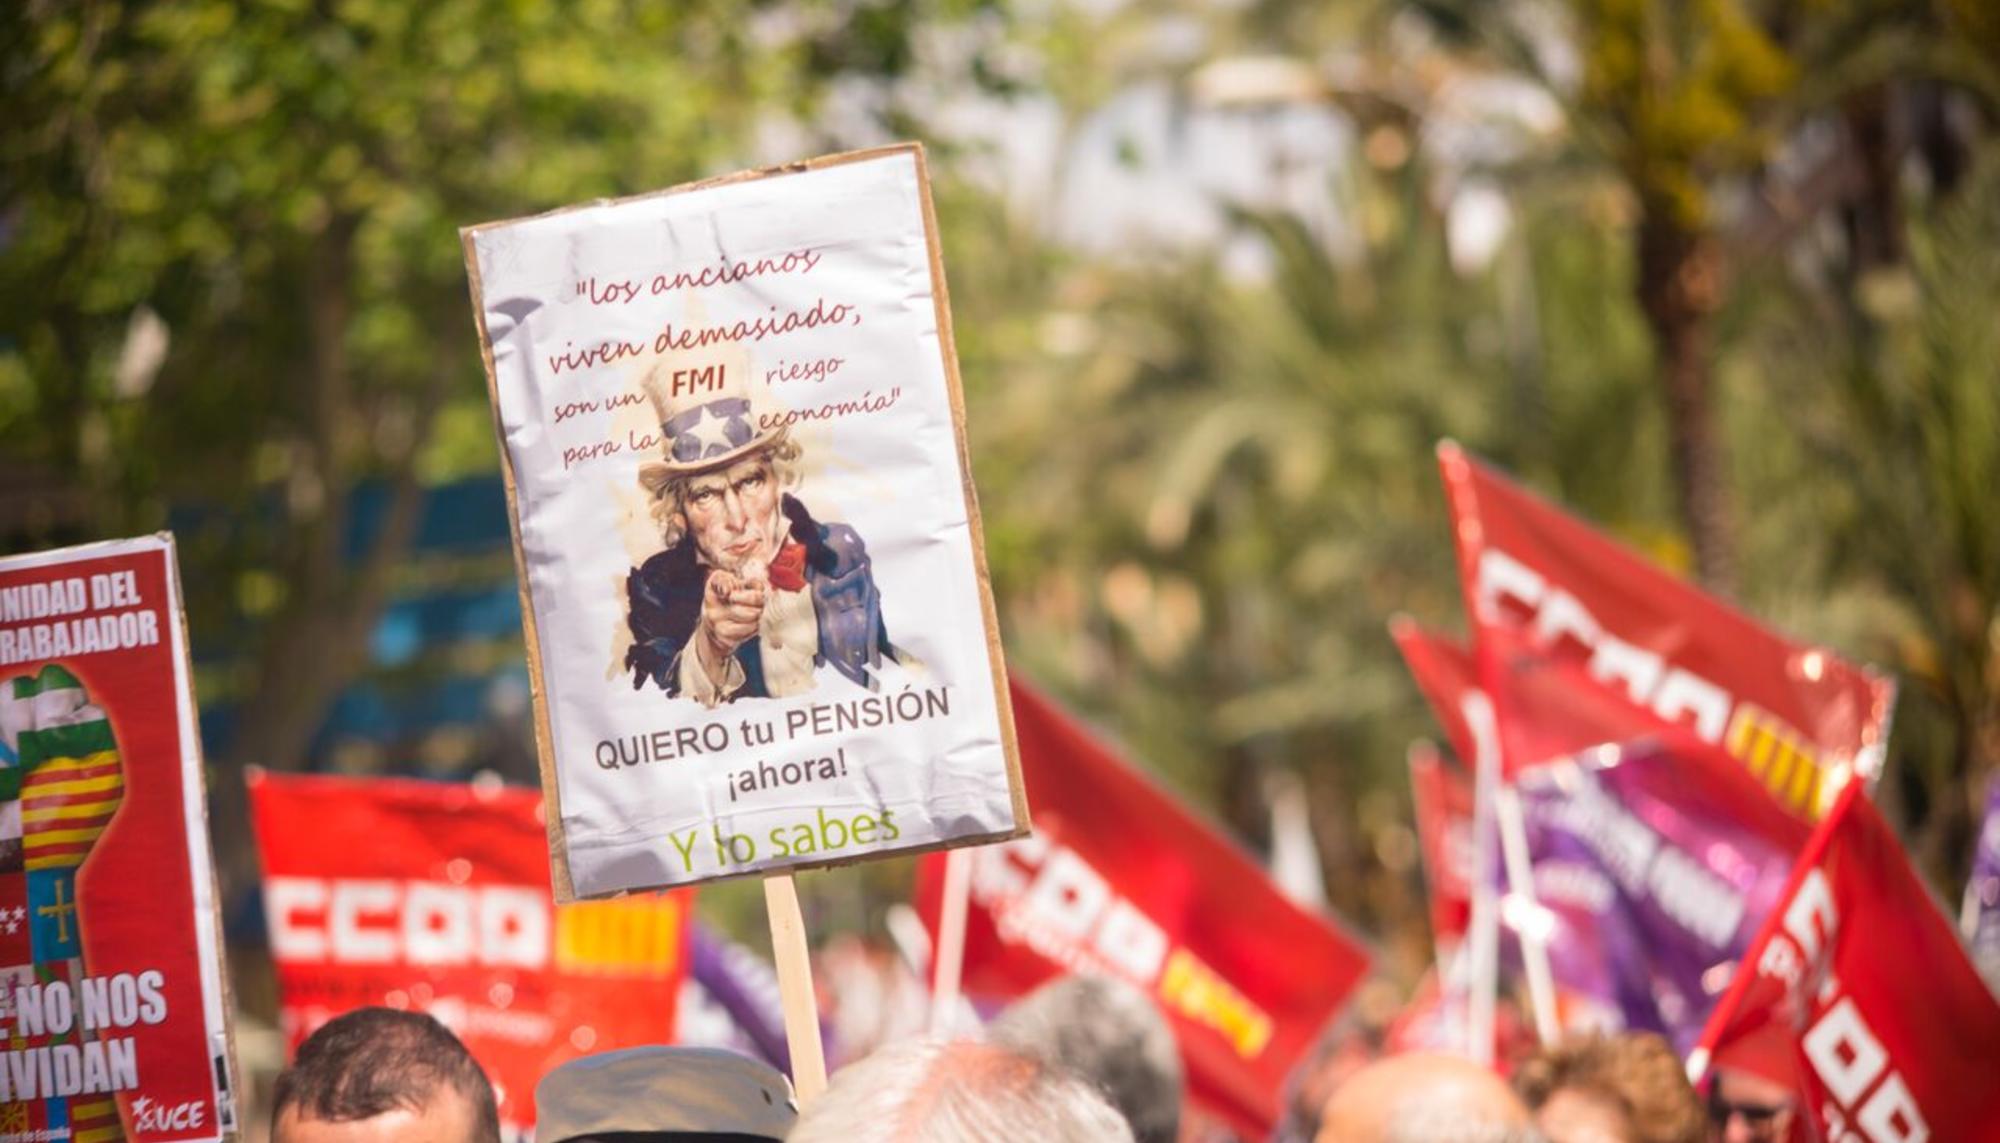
[[788, 570]]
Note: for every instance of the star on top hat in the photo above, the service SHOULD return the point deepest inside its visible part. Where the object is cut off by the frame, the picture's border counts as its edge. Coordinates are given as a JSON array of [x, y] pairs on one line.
[[708, 419]]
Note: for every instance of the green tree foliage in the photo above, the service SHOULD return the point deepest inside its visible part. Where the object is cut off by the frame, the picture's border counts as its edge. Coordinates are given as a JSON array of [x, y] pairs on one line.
[[280, 183], [1882, 524], [1205, 491], [1689, 103]]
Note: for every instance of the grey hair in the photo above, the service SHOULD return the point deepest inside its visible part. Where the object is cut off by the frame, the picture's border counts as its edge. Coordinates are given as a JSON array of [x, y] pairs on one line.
[[1417, 1120], [783, 454], [932, 1091], [1110, 1034]]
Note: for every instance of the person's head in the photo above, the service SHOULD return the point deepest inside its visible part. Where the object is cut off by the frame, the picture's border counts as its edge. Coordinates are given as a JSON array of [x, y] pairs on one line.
[[1744, 1107], [721, 474], [930, 1091], [730, 512], [1350, 1042], [1423, 1098], [378, 1075], [1111, 1035], [663, 1095], [1628, 1088]]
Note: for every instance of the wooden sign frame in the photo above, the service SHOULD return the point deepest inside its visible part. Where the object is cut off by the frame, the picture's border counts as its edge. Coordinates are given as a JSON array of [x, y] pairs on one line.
[[563, 883]]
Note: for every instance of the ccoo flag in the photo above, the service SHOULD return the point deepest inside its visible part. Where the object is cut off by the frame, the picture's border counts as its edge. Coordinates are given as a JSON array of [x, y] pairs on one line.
[[1654, 855], [446, 909], [1859, 993], [1543, 706], [1791, 712], [1120, 878]]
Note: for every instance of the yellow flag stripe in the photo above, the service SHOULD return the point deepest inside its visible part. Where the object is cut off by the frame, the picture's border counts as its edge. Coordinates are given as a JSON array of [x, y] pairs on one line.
[[1762, 743], [1805, 780], [57, 861], [102, 785], [82, 762], [1782, 762], [71, 811], [1742, 727], [46, 838]]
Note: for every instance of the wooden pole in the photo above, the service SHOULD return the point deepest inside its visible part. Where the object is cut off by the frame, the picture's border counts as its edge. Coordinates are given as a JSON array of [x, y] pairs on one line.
[[795, 987]]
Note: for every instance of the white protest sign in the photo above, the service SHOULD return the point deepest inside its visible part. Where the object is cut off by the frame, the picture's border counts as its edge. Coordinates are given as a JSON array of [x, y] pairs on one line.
[[758, 615]]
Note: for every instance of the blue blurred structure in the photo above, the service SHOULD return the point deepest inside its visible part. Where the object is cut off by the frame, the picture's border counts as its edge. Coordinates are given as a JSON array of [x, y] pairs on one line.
[[445, 656]]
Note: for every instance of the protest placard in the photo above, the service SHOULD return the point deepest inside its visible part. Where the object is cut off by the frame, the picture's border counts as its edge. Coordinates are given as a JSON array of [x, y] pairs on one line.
[[758, 619], [1122, 879], [113, 1020], [447, 910]]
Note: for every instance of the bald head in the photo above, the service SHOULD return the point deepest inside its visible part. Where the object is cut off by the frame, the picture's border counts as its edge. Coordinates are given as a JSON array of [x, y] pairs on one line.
[[929, 1091], [1424, 1099]]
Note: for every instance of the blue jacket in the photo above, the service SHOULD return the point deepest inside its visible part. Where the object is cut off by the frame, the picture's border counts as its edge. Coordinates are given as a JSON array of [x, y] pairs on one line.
[[664, 597]]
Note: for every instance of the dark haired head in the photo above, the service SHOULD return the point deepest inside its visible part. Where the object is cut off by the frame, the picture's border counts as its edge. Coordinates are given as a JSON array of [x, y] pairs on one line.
[[1109, 1033], [372, 1061]]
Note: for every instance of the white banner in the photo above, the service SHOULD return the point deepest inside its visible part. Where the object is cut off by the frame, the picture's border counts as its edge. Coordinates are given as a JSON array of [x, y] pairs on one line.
[[758, 612]]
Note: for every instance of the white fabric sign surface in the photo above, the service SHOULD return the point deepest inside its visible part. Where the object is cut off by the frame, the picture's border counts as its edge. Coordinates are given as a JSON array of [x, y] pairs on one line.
[[758, 618]]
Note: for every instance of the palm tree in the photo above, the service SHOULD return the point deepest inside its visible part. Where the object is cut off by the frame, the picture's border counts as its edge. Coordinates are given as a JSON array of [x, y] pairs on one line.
[[1896, 403]]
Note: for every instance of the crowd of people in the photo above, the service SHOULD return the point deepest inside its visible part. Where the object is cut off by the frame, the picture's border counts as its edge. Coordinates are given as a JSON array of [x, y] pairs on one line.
[[1082, 1059]]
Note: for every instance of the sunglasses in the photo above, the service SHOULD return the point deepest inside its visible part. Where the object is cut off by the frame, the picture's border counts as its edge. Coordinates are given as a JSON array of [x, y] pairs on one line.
[[1721, 1111]]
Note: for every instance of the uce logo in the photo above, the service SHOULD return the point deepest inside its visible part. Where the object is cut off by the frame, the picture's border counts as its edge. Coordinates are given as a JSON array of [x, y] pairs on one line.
[[150, 1115]]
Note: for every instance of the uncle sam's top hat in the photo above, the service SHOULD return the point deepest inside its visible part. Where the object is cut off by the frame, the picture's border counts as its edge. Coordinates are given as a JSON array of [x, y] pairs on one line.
[[708, 418]]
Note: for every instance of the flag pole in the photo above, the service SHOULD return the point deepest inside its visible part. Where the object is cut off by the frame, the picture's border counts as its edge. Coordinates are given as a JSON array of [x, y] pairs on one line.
[[949, 961], [795, 987], [1703, 1054], [1449, 957], [1534, 936], [1484, 924]]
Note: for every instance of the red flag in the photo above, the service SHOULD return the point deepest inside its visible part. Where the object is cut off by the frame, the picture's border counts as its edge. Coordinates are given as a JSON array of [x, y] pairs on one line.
[[1445, 673], [1789, 711], [1552, 709], [1121, 878], [446, 908], [1860, 993], [1443, 797], [1544, 707]]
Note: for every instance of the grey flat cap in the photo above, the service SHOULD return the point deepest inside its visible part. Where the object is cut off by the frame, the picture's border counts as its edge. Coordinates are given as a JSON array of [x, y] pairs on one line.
[[661, 1090]]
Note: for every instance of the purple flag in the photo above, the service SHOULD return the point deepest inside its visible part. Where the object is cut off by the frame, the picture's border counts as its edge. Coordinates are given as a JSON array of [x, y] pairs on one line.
[[1980, 917], [730, 999], [1654, 865]]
